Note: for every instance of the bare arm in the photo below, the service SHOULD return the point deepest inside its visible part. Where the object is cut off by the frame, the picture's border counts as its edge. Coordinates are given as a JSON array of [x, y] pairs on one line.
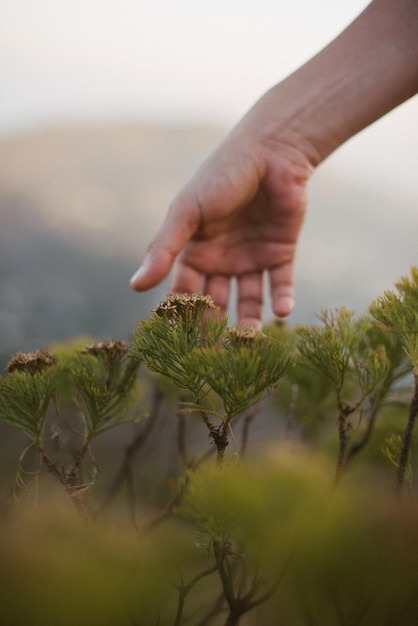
[[371, 68], [241, 214]]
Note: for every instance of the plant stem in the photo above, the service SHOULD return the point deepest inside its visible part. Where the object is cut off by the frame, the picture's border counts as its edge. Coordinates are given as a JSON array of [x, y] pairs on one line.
[[343, 435], [184, 590], [204, 415], [220, 437], [133, 448], [217, 433], [71, 484], [407, 438], [249, 418], [238, 602], [356, 447], [80, 456]]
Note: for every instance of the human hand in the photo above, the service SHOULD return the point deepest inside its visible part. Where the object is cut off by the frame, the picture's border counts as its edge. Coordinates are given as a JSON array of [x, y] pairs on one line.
[[241, 214], [239, 217]]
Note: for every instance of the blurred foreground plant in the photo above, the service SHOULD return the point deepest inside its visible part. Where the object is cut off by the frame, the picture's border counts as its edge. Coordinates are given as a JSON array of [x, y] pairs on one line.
[[264, 535]]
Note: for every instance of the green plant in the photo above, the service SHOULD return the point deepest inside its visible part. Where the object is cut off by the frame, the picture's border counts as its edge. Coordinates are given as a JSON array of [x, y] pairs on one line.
[[104, 380], [398, 313], [263, 540], [198, 353], [356, 367], [178, 325], [26, 392]]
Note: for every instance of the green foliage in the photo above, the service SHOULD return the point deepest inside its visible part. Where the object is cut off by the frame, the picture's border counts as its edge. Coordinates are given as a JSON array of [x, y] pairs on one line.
[[26, 392], [346, 559], [186, 341], [360, 366], [178, 325], [329, 346], [260, 539], [340, 348], [104, 378], [398, 312], [272, 523], [242, 367], [392, 449]]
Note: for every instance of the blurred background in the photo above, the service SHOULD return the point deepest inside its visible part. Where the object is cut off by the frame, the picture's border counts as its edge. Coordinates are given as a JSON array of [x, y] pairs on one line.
[[107, 107]]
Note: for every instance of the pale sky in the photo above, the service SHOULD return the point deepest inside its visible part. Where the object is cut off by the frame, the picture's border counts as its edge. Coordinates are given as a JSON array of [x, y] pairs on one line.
[[176, 61]]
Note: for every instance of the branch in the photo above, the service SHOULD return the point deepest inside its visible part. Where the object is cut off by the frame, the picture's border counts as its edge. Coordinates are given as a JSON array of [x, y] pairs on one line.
[[407, 438], [125, 469], [184, 590]]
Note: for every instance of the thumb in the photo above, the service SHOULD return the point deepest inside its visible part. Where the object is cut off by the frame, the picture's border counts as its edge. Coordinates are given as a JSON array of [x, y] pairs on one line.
[[179, 226]]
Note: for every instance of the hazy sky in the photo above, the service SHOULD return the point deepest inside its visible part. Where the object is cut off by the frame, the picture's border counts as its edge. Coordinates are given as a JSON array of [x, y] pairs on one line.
[[176, 61]]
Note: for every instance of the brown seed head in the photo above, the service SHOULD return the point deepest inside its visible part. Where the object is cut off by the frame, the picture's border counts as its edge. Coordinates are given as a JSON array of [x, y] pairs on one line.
[[244, 336], [30, 362], [178, 305], [111, 348]]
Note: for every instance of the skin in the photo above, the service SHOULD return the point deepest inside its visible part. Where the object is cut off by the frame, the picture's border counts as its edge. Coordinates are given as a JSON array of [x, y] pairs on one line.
[[240, 215]]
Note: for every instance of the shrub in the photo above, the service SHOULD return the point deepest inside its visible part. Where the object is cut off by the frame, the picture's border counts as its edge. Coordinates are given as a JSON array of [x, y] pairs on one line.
[[256, 535]]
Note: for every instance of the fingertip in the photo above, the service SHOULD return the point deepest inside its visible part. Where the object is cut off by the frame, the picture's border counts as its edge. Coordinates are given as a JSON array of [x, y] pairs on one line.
[[283, 306], [150, 273], [136, 279]]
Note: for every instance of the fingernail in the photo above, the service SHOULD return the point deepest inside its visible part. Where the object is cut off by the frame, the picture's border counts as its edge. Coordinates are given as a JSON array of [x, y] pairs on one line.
[[138, 274]]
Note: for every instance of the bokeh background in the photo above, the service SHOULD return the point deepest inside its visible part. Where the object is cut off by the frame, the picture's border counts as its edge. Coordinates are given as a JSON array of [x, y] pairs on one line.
[[107, 107]]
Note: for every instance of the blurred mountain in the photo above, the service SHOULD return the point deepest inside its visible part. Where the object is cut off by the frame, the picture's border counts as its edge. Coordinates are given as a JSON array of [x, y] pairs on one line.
[[79, 205], [106, 186], [77, 209]]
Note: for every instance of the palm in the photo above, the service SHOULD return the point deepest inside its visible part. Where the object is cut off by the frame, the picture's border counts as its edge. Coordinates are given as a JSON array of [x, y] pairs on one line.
[[239, 217], [243, 239]]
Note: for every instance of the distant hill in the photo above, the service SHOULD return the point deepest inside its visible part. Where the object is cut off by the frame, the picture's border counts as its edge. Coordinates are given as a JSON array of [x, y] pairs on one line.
[[78, 206], [104, 185], [77, 209]]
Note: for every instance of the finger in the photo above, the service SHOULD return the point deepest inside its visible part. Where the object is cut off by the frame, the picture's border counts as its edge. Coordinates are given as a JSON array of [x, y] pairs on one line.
[[282, 290], [180, 224], [218, 287], [185, 279], [250, 300]]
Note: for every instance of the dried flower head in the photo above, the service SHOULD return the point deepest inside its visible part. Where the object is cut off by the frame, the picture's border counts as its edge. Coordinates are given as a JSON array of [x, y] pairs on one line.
[[112, 348], [179, 305], [244, 336], [113, 354], [30, 362]]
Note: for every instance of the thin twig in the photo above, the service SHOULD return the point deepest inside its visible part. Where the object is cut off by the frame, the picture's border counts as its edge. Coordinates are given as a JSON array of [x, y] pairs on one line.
[[184, 590], [343, 436], [73, 486], [357, 446], [291, 414], [167, 512], [239, 604], [181, 437], [407, 438], [248, 420], [132, 449]]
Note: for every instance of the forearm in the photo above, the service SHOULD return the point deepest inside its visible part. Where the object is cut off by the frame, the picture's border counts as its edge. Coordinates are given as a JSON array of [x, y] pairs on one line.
[[368, 70]]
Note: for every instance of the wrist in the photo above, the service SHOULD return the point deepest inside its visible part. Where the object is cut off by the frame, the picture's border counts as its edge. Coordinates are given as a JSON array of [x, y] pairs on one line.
[[368, 70]]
